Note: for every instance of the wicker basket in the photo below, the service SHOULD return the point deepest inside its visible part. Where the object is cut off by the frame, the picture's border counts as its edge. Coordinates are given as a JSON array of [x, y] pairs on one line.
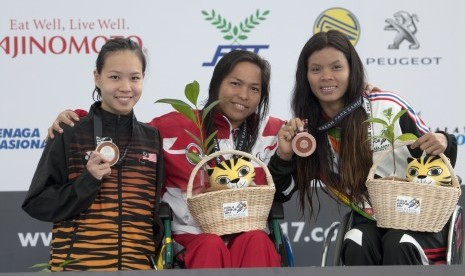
[[431, 205], [219, 212]]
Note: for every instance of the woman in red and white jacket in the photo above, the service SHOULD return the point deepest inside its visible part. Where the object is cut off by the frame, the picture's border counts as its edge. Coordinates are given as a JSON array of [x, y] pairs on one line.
[[241, 81]]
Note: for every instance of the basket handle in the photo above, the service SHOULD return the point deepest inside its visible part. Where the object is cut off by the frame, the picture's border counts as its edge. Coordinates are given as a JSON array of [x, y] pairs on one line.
[[207, 158], [371, 174]]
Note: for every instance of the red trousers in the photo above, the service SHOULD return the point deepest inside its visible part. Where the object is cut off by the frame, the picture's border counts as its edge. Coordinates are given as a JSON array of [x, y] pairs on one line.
[[248, 249]]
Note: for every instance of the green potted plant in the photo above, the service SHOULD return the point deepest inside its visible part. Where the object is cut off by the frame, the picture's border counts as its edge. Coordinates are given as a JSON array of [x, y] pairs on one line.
[[400, 204], [388, 131], [192, 112]]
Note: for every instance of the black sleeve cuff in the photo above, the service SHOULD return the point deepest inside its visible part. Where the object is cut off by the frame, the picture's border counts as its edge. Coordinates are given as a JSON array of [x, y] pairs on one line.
[[451, 150]]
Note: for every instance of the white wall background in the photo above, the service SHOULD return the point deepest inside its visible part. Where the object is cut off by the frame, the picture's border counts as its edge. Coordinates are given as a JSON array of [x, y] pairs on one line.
[[35, 86]]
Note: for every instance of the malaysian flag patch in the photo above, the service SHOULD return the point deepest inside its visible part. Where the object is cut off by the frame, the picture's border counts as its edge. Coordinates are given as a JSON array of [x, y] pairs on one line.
[[152, 157]]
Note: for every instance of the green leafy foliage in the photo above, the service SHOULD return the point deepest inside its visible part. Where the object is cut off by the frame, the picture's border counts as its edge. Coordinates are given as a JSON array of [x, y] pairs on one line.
[[234, 32], [388, 131], [191, 111], [46, 267]]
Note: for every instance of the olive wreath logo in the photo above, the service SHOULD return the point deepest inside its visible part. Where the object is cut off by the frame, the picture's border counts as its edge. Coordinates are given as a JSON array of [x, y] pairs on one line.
[[235, 32]]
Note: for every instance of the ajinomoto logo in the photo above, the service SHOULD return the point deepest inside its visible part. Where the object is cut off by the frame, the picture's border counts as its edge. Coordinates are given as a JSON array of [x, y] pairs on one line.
[[60, 36], [236, 34], [338, 19]]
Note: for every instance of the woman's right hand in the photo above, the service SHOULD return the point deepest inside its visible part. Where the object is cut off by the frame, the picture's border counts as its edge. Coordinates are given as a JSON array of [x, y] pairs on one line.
[[285, 136], [98, 166], [68, 117]]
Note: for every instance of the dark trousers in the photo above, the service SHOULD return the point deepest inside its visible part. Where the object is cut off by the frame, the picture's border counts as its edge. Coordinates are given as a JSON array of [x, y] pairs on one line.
[[366, 244]]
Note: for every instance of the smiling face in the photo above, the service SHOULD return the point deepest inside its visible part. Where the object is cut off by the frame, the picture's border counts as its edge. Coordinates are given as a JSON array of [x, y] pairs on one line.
[[120, 81], [328, 76], [240, 92]]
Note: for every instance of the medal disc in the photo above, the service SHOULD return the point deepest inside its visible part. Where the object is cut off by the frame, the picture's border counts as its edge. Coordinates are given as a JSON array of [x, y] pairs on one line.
[[109, 150], [303, 144]]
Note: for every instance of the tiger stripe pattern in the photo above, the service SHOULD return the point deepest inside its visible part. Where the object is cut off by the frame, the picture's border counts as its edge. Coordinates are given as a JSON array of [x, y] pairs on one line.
[[428, 169], [117, 231], [231, 173]]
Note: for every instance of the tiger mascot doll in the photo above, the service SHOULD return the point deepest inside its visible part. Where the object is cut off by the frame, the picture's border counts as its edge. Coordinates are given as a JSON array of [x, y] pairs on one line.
[[230, 174], [428, 169]]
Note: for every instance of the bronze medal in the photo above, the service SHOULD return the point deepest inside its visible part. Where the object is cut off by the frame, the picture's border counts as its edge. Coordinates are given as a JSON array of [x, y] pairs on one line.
[[109, 150], [303, 144]]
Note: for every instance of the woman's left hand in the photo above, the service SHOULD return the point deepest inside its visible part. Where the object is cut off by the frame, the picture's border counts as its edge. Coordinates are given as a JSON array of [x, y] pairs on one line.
[[431, 143], [371, 88]]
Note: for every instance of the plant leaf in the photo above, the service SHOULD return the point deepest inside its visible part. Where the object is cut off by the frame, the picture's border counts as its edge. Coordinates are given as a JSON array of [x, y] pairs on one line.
[[192, 92], [193, 157], [208, 108], [210, 137], [389, 134], [181, 107], [41, 265], [217, 20], [251, 20], [388, 131], [196, 139], [235, 30], [186, 111], [388, 113], [172, 101], [407, 137], [398, 115], [210, 148], [67, 262], [376, 120]]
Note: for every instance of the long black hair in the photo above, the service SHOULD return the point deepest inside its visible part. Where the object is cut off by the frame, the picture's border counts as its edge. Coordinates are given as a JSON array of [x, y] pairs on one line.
[[355, 157], [225, 66]]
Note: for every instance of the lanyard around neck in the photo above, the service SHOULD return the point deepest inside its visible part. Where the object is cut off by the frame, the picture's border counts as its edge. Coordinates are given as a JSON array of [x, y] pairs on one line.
[[240, 142], [98, 133], [341, 115]]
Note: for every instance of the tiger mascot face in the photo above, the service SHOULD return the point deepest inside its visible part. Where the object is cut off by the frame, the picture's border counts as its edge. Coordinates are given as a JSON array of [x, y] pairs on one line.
[[230, 174], [428, 169]]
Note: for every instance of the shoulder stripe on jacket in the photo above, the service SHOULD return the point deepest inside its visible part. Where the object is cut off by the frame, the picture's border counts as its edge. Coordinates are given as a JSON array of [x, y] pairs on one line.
[[389, 96]]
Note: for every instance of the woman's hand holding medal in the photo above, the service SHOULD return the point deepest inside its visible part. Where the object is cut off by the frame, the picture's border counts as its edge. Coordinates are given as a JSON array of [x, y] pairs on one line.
[[98, 166], [294, 138]]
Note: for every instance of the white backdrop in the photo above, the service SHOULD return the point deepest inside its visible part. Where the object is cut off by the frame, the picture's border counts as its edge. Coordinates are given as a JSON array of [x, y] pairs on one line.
[[36, 86], [43, 72]]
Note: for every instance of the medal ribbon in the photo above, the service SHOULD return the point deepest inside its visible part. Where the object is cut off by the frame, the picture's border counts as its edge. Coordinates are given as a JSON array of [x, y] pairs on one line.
[[239, 141], [341, 115], [98, 132]]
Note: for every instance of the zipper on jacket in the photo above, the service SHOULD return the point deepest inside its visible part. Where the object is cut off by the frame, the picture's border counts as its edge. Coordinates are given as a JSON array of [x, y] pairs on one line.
[[73, 240], [120, 200]]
